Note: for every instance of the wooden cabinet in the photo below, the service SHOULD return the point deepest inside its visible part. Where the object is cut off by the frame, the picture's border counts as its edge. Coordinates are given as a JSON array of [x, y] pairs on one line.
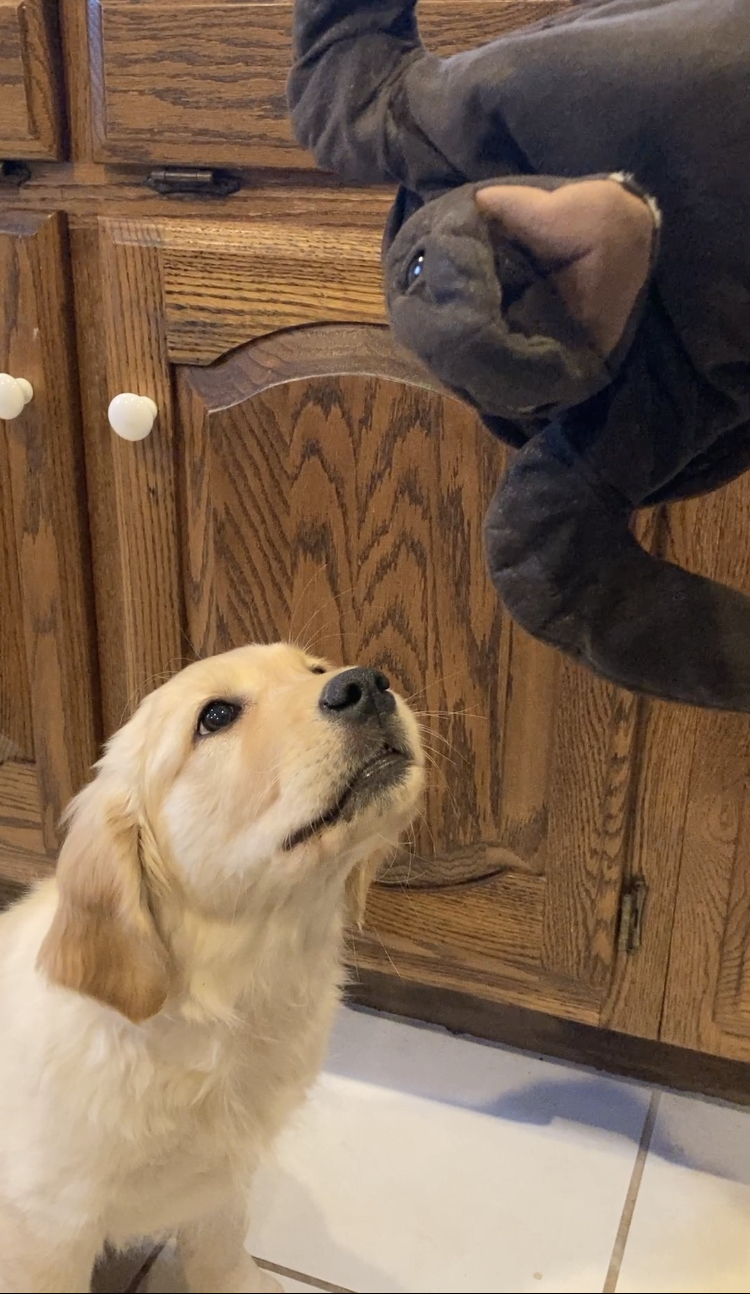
[[162, 293], [210, 88], [582, 858], [47, 712], [305, 478], [707, 1001], [31, 108], [207, 89], [315, 483]]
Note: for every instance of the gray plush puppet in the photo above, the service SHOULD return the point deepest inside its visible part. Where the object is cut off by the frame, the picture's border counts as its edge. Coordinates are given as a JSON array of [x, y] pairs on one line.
[[570, 252]]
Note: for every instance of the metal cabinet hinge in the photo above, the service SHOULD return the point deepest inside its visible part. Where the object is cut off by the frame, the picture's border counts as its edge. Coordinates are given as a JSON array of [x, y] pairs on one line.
[[14, 174], [632, 904], [176, 181]]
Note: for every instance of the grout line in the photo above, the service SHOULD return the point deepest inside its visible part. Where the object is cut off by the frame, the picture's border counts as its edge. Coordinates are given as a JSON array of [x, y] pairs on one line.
[[623, 1230], [315, 1281]]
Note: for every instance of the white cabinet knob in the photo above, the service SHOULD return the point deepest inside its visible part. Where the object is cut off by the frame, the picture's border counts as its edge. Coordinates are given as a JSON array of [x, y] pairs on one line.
[[132, 416], [15, 393]]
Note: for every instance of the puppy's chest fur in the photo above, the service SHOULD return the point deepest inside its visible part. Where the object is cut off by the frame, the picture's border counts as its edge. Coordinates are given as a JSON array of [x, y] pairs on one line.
[[210, 1100], [161, 1120], [234, 1081], [203, 1102]]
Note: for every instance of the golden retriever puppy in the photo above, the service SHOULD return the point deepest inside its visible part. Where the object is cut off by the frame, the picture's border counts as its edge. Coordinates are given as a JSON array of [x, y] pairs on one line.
[[165, 1001]]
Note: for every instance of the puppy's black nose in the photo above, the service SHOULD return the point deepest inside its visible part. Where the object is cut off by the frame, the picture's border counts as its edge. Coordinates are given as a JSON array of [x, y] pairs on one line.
[[357, 694]]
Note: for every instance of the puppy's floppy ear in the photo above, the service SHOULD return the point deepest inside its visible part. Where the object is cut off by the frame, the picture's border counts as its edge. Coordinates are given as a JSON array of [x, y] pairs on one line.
[[103, 941], [595, 237]]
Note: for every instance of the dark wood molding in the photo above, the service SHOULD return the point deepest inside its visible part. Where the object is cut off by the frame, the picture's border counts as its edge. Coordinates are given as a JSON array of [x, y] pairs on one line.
[[616, 1053]]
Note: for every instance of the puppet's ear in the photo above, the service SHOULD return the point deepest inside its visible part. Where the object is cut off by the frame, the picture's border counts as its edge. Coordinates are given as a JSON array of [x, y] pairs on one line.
[[595, 238]]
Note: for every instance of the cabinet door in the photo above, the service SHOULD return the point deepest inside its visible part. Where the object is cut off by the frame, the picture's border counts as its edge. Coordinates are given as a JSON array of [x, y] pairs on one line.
[[30, 98], [315, 483], [209, 88], [332, 495], [47, 677], [707, 1004]]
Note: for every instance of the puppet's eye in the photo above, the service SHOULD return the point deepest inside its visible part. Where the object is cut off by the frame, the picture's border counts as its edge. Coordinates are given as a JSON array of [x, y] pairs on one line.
[[415, 270]]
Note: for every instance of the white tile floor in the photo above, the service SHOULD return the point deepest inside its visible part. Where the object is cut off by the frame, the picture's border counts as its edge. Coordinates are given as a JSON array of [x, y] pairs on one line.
[[691, 1224], [427, 1163]]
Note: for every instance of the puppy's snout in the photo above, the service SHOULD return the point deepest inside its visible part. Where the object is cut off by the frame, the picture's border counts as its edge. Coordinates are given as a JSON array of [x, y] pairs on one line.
[[356, 695]]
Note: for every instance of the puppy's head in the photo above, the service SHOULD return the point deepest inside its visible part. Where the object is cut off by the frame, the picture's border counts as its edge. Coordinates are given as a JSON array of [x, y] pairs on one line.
[[243, 780]]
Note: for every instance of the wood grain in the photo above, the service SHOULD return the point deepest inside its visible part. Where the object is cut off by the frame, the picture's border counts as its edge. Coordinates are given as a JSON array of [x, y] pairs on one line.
[[704, 1006], [492, 924], [665, 752], [345, 507], [145, 491], [483, 938], [23, 854], [31, 107], [74, 49], [15, 114], [47, 497], [16, 728], [228, 284], [211, 89], [447, 28], [333, 494], [732, 1001], [109, 591], [526, 748], [99, 255], [665, 755], [87, 190], [589, 800]]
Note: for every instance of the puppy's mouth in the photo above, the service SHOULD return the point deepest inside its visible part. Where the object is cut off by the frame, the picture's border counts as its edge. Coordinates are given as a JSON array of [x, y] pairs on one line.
[[380, 773]]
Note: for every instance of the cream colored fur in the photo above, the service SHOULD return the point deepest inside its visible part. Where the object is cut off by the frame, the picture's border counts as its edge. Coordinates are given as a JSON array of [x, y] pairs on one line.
[[166, 1001]]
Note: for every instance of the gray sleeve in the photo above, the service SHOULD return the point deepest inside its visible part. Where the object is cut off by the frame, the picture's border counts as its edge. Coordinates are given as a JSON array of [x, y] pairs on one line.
[[564, 561], [373, 105], [350, 57], [572, 94]]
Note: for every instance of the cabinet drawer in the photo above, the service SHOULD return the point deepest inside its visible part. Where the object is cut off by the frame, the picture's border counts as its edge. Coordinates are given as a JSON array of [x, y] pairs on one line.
[[30, 98], [206, 85], [225, 283]]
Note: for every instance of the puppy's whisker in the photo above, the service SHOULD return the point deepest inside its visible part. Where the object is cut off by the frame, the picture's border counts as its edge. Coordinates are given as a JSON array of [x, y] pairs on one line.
[[438, 757], [446, 785], [197, 655], [429, 730], [443, 757], [434, 682], [449, 714], [298, 600], [421, 816], [373, 930], [322, 608]]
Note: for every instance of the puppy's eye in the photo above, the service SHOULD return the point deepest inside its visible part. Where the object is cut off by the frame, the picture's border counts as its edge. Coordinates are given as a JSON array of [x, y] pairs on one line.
[[217, 715], [318, 669], [415, 270]]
